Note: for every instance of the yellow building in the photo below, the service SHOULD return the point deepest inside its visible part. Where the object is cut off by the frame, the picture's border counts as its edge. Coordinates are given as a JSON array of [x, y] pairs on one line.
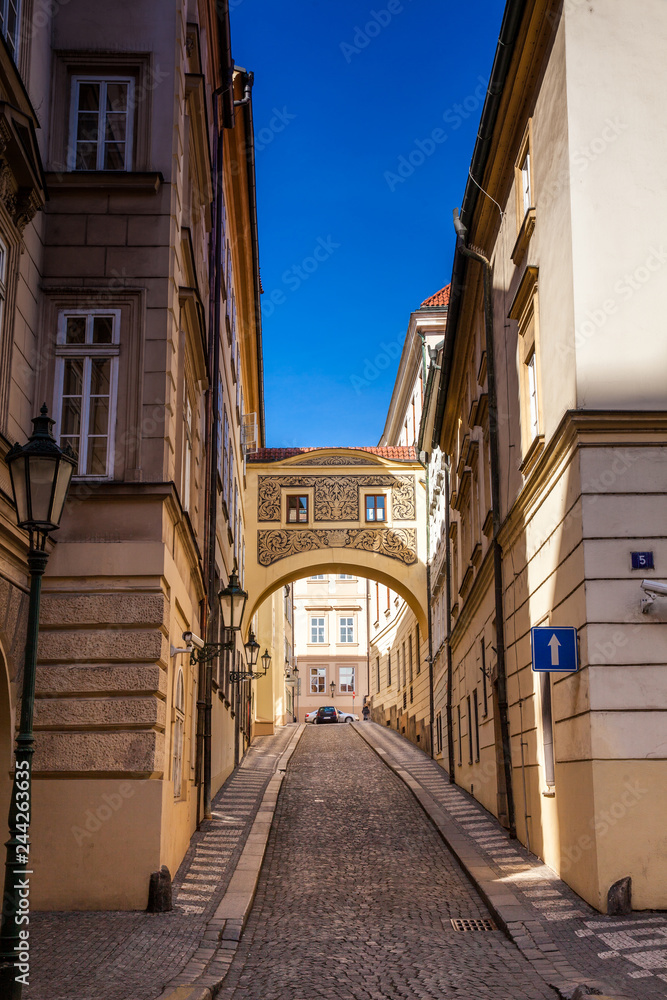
[[400, 654], [549, 427], [133, 310]]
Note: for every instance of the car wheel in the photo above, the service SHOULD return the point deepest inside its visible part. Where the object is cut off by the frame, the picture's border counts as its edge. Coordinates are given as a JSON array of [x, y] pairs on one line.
[[349, 718]]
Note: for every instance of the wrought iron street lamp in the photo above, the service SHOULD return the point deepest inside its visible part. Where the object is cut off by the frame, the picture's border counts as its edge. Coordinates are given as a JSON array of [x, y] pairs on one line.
[[333, 688], [40, 473]]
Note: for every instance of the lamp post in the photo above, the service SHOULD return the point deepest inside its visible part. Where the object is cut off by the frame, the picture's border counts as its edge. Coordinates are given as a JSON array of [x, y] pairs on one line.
[[232, 606], [333, 688], [40, 472], [296, 692]]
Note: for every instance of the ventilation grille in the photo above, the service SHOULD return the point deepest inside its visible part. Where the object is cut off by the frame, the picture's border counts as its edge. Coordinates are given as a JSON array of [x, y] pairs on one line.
[[463, 924]]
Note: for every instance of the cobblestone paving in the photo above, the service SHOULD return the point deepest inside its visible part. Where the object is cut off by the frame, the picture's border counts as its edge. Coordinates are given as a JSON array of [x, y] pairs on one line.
[[357, 892], [630, 952], [132, 956]]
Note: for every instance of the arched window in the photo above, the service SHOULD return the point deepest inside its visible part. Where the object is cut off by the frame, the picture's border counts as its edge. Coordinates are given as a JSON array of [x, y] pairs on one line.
[[179, 723]]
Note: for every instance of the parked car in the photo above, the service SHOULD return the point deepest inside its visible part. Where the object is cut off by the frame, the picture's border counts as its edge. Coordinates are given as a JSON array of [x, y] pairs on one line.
[[311, 716], [347, 716], [327, 713]]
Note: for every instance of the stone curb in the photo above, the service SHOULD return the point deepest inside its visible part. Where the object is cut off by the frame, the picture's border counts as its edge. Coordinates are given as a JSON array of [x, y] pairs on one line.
[[509, 911], [210, 963]]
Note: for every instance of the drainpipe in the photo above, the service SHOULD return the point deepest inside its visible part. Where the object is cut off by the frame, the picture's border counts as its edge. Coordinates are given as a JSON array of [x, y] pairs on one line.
[[461, 233], [422, 337], [450, 668]]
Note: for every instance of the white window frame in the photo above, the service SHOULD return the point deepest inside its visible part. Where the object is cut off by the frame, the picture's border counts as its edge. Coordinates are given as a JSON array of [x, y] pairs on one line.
[[179, 730], [12, 41], [318, 675], [186, 471], [531, 385], [526, 188], [346, 629], [343, 686], [101, 121], [316, 630], [88, 351], [4, 253]]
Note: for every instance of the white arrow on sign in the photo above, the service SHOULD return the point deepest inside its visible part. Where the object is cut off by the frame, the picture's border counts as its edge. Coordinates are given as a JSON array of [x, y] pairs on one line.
[[553, 645]]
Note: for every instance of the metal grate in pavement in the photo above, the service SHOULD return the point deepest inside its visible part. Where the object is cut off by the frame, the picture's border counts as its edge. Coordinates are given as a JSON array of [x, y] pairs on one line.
[[464, 924]]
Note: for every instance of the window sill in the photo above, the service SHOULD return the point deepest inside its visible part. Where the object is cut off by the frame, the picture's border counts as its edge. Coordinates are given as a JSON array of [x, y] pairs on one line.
[[134, 181], [532, 455], [523, 239]]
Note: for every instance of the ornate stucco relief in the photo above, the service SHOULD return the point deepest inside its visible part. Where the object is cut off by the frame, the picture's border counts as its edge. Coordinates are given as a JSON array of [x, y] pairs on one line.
[[395, 543], [336, 460], [337, 498]]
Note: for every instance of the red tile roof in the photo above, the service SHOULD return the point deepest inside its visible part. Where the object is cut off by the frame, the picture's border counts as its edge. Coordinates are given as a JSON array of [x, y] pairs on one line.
[[398, 454], [438, 300]]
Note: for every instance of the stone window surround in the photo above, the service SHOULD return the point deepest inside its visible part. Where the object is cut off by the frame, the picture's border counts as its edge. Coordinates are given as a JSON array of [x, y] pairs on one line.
[[130, 402], [72, 63], [525, 310]]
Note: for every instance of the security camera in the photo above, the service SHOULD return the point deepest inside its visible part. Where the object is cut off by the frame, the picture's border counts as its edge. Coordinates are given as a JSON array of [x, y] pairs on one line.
[[653, 589], [190, 639]]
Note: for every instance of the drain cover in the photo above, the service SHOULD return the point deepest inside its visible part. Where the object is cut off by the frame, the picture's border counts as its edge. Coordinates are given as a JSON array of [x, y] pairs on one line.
[[463, 924]]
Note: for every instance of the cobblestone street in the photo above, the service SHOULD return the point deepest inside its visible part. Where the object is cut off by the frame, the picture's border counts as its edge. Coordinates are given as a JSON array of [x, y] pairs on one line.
[[357, 893]]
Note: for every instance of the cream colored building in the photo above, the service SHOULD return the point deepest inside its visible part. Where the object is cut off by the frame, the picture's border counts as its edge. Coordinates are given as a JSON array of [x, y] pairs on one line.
[[573, 220], [401, 677], [274, 697], [331, 642], [131, 305]]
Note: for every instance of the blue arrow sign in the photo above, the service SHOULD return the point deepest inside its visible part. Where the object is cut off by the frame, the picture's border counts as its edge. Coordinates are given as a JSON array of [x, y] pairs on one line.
[[554, 649]]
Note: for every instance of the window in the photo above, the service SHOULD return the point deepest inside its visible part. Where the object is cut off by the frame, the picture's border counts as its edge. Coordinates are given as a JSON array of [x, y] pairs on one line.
[[10, 16], [485, 695], [346, 626], [320, 576], [405, 667], [179, 721], [410, 656], [532, 395], [3, 281], [524, 310], [297, 510], [419, 666], [85, 388], [377, 674], [458, 720], [346, 680], [375, 508], [186, 466], [101, 123], [526, 193], [318, 680], [388, 670], [469, 730], [476, 715], [438, 733], [523, 173], [344, 576], [317, 629]]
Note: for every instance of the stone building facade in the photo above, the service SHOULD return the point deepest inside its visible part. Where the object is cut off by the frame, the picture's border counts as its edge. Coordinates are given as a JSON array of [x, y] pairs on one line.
[[131, 305], [401, 677], [331, 642], [577, 410]]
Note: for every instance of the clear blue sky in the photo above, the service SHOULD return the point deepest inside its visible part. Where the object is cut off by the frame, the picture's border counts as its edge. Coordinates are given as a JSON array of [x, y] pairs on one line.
[[355, 190]]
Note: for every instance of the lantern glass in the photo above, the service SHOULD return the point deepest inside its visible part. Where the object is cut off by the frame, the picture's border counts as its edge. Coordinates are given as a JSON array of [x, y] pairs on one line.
[[17, 471], [251, 651], [266, 660], [41, 479], [63, 479], [232, 603]]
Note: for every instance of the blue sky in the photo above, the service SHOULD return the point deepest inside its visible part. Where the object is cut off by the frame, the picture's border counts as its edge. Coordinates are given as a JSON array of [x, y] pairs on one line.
[[365, 121]]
